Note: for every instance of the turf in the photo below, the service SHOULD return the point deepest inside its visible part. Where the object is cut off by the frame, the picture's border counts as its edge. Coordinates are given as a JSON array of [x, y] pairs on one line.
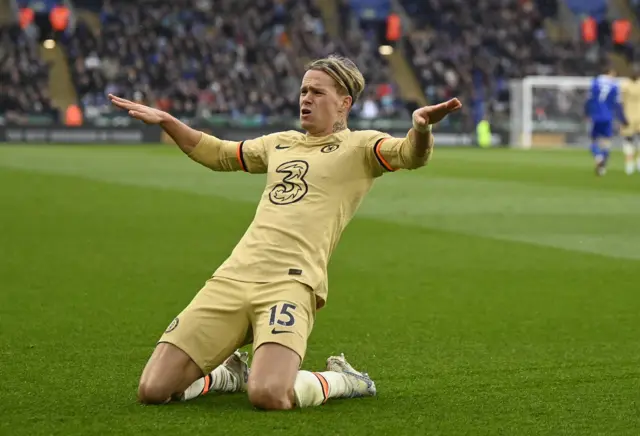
[[495, 292]]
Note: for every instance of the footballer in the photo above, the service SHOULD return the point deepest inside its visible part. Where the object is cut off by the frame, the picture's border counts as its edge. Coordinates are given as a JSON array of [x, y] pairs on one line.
[[603, 107], [630, 90], [267, 292]]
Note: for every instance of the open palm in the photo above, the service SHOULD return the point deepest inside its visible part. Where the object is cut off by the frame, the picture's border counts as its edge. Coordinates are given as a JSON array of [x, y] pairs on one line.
[[433, 114], [138, 111]]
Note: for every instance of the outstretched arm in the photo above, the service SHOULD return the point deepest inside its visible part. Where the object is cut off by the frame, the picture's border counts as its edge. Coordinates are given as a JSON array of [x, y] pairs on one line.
[[414, 150], [214, 153], [184, 136]]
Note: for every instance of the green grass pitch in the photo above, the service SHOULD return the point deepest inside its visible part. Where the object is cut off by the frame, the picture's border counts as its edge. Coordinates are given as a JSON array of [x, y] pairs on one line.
[[495, 292]]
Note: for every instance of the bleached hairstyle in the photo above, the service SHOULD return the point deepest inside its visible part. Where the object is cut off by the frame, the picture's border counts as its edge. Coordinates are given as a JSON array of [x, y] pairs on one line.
[[349, 80]]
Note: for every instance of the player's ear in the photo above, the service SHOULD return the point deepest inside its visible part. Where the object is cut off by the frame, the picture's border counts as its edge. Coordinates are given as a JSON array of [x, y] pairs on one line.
[[346, 102]]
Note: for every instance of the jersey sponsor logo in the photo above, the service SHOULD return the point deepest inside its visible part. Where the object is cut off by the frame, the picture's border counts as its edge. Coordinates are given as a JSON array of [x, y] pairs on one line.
[[173, 325], [282, 147], [329, 148], [277, 332], [293, 187], [295, 272]]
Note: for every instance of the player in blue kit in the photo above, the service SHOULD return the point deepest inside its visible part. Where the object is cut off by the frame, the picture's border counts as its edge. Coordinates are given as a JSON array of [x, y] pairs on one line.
[[603, 107]]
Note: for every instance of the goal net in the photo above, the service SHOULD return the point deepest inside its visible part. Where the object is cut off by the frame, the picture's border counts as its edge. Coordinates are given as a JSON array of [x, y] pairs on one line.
[[548, 111]]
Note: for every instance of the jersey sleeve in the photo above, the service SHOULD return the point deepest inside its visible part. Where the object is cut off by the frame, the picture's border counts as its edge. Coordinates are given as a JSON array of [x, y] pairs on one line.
[[620, 106], [386, 153], [221, 155], [589, 103]]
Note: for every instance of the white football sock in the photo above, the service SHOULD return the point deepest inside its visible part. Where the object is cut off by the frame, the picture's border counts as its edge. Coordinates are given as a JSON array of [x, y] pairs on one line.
[[629, 167], [315, 388], [219, 380]]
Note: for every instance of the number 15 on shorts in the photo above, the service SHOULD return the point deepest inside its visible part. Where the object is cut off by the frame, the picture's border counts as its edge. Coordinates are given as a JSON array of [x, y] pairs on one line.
[[282, 314]]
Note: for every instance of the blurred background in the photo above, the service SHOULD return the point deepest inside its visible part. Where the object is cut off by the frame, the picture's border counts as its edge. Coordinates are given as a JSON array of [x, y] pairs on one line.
[[226, 63]]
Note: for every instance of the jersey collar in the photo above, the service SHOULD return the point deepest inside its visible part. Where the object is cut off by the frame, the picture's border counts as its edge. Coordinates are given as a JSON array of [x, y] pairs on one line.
[[330, 139]]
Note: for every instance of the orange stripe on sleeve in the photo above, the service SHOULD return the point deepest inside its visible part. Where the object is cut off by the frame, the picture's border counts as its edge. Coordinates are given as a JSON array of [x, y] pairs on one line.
[[380, 157], [243, 165], [324, 384]]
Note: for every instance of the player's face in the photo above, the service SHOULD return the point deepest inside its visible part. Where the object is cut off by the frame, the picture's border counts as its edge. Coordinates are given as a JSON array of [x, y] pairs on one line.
[[320, 104]]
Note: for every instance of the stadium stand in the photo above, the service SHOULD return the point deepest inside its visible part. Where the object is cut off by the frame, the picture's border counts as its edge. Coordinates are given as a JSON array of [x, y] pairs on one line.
[[473, 52], [24, 87], [593, 8], [241, 58], [633, 15], [244, 58]]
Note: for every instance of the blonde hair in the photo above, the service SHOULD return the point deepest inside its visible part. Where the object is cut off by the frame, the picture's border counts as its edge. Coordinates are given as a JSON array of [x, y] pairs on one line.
[[349, 80]]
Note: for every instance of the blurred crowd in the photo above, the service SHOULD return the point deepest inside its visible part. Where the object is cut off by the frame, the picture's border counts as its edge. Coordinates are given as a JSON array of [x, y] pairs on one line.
[[473, 52], [635, 51], [24, 86], [243, 58]]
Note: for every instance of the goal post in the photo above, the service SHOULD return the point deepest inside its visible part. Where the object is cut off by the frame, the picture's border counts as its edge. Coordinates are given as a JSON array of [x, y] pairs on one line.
[[548, 111]]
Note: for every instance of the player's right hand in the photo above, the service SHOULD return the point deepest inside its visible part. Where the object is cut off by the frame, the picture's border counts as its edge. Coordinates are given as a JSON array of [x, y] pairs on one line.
[[433, 114], [138, 111]]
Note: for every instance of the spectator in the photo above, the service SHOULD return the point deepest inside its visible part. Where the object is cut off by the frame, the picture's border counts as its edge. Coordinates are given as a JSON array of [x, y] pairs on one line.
[[24, 77], [473, 52], [239, 58]]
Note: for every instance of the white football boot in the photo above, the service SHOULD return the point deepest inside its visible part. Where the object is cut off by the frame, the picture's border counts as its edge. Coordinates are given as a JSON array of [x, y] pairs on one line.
[[238, 365], [359, 384]]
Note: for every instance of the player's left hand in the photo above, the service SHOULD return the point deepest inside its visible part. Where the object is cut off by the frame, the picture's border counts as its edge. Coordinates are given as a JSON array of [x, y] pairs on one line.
[[433, 114]]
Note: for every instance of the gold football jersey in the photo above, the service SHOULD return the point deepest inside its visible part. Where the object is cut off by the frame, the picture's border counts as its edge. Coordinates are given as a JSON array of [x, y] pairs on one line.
[[314, 187], [631, 99]]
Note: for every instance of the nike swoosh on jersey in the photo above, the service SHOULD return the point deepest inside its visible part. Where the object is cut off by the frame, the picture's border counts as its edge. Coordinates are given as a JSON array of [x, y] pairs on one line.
[[282, 147], [277, 332]]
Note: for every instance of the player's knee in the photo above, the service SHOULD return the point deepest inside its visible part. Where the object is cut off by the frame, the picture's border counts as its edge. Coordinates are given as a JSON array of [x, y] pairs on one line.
[[152, 393], [270, 396]]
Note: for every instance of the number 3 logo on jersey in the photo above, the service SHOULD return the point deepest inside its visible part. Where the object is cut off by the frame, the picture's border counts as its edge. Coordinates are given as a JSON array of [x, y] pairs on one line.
[[293, 186]]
